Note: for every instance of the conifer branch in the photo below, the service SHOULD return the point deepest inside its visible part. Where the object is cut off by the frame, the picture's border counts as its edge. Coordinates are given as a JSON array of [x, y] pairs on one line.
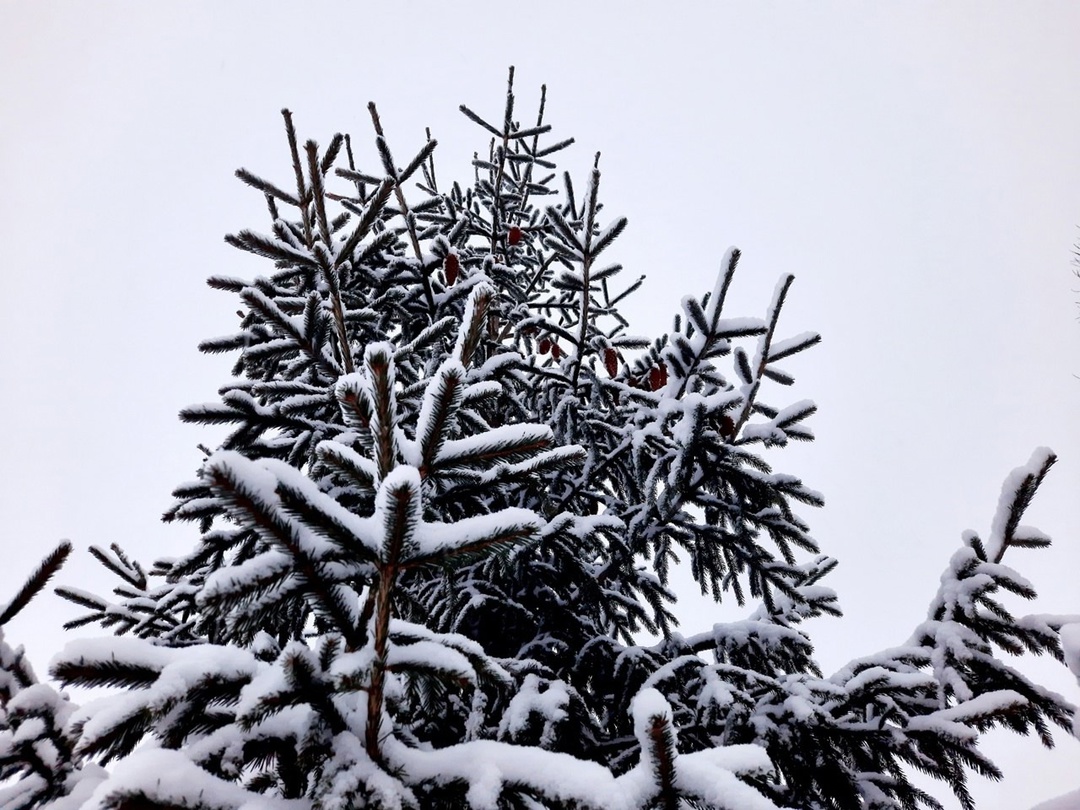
[[537, 131], [1017, 491], [383, 421], [663, 757], [762, 358], [476, 312], [270, 248], [497, 212], [318, 192], [370, 215], [712, 318], [400, 500], [266, 187], [586, 283], [435, 417], [410, 222], [45, 571], [303, 194], [230, 484]]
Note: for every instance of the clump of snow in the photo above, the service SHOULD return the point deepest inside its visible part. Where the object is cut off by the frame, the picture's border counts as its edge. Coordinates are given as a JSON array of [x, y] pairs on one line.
[[549, 705], [1010, 491], [170, 778], [1070, 646]]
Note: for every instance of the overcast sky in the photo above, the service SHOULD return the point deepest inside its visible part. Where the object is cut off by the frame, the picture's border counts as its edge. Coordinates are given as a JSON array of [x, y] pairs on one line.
[[915, 165]]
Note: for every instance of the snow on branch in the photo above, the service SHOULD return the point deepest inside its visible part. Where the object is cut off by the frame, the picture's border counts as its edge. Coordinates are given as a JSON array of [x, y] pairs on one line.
[[156, 777], [490, 768], [1016, 495]]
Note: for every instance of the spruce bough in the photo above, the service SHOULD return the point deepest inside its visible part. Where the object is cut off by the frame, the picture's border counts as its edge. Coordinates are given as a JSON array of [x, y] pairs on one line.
[[445, 517]]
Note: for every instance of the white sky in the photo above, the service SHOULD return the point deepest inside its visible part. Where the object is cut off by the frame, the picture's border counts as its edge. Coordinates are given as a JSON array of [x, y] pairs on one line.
[[915, 165]]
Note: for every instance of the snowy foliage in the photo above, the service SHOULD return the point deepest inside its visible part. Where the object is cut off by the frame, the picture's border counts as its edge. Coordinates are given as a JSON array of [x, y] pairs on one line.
[[446, 514], [38, 764]]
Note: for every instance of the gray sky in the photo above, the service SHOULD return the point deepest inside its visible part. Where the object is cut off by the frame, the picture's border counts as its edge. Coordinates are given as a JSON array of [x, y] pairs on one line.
[[915, 165]]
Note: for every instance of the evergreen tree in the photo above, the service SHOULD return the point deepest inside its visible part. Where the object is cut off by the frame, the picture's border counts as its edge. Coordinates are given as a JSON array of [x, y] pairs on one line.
[[445, 517]]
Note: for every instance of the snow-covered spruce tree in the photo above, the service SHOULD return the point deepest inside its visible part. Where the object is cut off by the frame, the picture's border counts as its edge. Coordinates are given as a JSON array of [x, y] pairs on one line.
[[445, 517]]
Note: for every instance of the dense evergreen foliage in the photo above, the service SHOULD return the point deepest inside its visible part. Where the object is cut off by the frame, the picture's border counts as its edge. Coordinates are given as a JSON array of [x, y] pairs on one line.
[[444, 521]]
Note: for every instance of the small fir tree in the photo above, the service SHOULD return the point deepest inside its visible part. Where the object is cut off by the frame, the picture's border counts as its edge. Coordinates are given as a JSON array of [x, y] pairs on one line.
[[446, 514]]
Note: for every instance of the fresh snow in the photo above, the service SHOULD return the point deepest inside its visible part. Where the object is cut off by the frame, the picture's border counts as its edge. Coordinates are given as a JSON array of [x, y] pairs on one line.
[[995, 545], [171, 778], [549, 705]]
